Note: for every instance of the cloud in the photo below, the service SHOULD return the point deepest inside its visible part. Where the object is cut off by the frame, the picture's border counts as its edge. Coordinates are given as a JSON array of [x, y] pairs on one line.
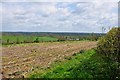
[[59, 16], [58, 1], [0, 17]]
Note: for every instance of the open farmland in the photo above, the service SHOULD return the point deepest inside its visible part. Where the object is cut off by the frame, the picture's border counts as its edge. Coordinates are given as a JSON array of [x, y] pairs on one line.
[[12, 39], [22, 59], [9, 38]]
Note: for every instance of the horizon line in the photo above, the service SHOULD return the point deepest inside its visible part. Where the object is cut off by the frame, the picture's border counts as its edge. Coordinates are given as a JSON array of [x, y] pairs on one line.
[[49, 32]]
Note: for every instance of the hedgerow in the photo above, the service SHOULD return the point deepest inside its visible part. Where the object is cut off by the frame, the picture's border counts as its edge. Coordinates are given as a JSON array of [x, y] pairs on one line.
[[109, 45]]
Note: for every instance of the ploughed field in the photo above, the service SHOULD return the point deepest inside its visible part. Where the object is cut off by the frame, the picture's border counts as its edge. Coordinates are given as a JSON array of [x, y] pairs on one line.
[[21, 59]]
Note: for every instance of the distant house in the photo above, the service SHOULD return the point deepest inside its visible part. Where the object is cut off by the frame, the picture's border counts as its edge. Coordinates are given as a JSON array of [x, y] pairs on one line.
[[77, 39]]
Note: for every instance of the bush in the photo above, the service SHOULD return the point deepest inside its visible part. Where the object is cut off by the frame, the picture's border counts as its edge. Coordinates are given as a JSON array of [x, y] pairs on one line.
[[109, 44], [17, 41], [37, 40]]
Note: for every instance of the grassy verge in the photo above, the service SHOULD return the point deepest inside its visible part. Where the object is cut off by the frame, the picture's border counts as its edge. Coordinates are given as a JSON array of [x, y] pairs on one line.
[[85, 64]]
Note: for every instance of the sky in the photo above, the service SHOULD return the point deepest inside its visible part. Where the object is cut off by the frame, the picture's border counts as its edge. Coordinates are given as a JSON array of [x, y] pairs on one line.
[[58, 16]]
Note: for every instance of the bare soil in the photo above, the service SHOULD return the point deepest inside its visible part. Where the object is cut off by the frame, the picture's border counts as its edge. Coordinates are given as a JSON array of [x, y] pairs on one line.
[[18, 60]]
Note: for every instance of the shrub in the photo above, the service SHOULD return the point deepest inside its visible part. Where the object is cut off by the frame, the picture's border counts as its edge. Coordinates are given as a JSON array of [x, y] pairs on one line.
[[37, 40], [109, 45], [8, 41], [17, 41]]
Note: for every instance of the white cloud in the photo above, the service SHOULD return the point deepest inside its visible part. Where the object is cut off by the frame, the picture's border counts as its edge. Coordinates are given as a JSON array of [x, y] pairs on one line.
[[58, 1], [0, 17], [42, 16], [51, 9]]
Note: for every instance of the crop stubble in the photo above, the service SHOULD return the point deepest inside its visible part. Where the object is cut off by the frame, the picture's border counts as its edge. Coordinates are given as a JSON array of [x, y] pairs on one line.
[[21, 59]]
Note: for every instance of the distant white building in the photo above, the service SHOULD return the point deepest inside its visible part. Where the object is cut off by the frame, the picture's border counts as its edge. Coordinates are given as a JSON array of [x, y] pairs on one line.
[[77, 39]]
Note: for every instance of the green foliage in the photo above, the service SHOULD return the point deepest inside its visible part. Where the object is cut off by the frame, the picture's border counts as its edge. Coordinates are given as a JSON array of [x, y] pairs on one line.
[[109, 45], [12, 39], [37, 40], [61, 38], [17, 38], [85, 66], [91, 37], [17, 41], [8, 41]]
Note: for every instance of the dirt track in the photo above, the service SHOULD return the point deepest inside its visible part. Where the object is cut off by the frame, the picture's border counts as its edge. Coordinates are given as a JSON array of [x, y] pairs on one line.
[[21, 59]]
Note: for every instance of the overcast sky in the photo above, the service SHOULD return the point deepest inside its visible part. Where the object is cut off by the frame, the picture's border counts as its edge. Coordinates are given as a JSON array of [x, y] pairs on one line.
[[58, 16]]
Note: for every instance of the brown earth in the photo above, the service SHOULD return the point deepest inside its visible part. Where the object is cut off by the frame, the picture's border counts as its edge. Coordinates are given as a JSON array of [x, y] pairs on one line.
[[18, 60]]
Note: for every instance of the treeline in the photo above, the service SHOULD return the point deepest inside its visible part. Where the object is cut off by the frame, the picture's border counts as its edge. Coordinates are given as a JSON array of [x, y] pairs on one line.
[[50, 34], [18, 38], [78, 38]]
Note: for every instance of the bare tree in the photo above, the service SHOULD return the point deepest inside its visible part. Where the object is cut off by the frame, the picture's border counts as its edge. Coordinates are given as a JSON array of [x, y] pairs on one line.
[[103, 29]]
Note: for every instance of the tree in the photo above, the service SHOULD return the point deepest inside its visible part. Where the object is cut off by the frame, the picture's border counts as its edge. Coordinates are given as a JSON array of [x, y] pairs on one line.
[[37, 40], [61, 38], [109, 45]]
